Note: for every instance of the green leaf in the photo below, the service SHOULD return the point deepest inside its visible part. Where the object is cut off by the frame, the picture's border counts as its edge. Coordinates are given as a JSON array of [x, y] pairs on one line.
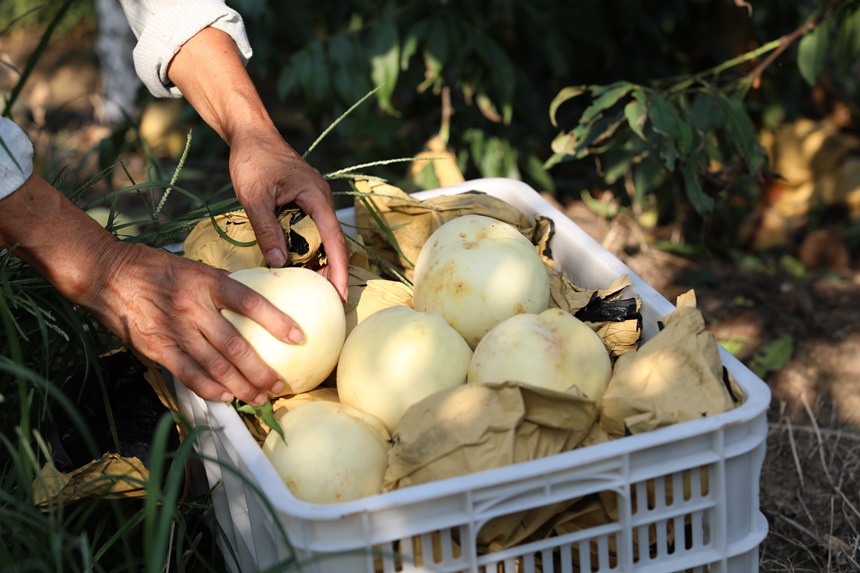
[[847, 48], [315, 75], [677, 134], [648, 176], [742, 133], [265, 413], [693, 186], [577, 142], [344, 55], [706, 113], [562, 96], [604, 98], [502, 72], [290, 75], [772, 356], [384, 52], [812, 51], [413, 38], [636, 112]]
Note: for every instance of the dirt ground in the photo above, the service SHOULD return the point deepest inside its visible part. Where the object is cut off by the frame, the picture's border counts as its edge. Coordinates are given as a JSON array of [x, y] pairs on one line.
[[809, 483]]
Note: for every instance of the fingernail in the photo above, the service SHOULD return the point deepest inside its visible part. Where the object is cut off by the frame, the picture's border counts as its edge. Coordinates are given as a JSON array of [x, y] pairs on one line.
[[277, 387], [260, 399], [296, 336], [226, 397], [276, 258]]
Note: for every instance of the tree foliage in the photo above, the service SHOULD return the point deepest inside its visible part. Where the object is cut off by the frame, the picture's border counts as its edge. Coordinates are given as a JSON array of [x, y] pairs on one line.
[[659, 101]]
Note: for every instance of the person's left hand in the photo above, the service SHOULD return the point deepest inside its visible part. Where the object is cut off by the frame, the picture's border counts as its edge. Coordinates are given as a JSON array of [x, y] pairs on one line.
[[268, 173]]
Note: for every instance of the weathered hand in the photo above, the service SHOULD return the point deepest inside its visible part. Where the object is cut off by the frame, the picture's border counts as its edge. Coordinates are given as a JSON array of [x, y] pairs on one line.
[[168, 308], [268, 173], [265, 170]]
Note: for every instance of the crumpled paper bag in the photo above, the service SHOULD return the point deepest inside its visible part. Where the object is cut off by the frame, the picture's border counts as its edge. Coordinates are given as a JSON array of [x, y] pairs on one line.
[[367, 293], [409, 221], [615, 319], [675, 376], [113, 475], [477, 427], [240, 250]]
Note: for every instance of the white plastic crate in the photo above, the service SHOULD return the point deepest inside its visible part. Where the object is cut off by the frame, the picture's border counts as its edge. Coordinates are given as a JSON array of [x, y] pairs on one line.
[[671, 518]]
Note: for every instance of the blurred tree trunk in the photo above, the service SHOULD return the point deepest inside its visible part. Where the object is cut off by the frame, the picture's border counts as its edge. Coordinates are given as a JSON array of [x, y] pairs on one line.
[[114, 47]]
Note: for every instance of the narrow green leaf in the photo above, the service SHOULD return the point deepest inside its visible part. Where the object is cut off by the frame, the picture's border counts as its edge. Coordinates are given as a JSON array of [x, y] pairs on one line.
[[384, 52], [812, 51], [605, 98]]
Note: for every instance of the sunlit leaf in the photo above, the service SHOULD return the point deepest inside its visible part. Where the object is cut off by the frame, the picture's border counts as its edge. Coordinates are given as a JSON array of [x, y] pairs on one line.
[[384, 52], [562, 96], [576, 142], [636, 112], [604, 98], [487, 107]]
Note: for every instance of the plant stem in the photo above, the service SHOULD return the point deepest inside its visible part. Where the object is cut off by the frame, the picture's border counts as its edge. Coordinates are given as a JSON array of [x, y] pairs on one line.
[[787, 40]]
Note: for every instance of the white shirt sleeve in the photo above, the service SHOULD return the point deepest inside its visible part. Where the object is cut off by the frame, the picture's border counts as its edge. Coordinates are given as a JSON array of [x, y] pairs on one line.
[[162, 26], [16, 157]]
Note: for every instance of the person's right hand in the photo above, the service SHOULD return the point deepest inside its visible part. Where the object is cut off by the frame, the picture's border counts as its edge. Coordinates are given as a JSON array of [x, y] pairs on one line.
[[169, 309]]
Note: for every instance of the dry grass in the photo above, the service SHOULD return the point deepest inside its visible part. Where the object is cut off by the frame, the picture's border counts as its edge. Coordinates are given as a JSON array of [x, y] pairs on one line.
[[809, 493]]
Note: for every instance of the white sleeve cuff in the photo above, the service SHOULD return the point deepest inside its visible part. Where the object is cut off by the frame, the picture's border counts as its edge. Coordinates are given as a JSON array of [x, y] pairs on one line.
[[16, 157], [163, 31]]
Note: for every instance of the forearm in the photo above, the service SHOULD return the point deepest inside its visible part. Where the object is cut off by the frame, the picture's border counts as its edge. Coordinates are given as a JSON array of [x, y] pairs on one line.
[[55, 237], [210, 73]]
